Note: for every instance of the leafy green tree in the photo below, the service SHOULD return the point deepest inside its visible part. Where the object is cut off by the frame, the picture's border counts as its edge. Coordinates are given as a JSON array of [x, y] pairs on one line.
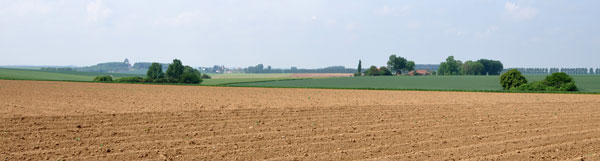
[[558, 79], [190, 78], [155, 71], [491, 67], [443, 69], [130, 79], [512, 79], [175, 70], [104, 78], [556, 82], [410, 66], [189, 69], [397, 64], [260, 67], [384, 71], [450, 67], [534, 86], [191, 75], [472, 68], [372, 71]]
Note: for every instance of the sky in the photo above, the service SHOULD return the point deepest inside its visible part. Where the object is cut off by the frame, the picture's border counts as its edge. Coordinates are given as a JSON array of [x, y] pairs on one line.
[[300, 33]]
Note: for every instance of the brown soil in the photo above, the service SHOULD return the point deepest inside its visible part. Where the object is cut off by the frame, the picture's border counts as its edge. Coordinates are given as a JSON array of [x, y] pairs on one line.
[[320, 75], [98, 121]]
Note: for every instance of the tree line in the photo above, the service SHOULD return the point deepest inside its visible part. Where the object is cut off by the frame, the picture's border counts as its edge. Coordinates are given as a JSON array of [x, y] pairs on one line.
[[514, 80], [397, 65], [544, 71], [479, 67], [58, 69], [260, 68], [176, 73]]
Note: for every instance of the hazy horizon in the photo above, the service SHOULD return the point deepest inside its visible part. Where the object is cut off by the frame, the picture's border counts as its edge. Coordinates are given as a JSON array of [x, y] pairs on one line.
[[299, 33]]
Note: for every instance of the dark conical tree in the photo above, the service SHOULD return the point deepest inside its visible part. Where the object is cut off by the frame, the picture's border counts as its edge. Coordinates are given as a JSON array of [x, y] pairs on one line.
[[359, 66]]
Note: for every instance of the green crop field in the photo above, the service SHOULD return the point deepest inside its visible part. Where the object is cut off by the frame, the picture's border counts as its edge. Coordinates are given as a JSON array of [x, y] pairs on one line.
[[25, 74], [225, 81], [586, 83], [244, 75]]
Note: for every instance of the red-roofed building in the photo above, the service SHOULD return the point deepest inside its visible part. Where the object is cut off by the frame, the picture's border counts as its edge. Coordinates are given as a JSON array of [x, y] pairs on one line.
[[419, 72]]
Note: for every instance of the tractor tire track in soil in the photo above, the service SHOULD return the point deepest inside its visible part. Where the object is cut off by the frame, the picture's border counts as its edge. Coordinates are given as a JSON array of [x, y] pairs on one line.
[[104, 121]]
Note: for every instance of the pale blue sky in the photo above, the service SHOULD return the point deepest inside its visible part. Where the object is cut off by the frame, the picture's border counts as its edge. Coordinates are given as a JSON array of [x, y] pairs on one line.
[[302, 33]]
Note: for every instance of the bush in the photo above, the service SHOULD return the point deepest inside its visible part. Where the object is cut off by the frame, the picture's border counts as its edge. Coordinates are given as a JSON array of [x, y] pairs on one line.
[[104, 78], [372, 71], [569, 87], [558, 79], [357, 74], [512, 79], [554, 82], [147, 79], [160, 80], [191, 78], [205, 76], [131, 79], [172, 80], [535, 86], [384, 71]]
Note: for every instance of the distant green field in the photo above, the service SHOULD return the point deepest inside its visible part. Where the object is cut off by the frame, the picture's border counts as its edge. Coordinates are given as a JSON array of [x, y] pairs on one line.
[[25, 74], [245, 75], [225, 81], [586, 83]]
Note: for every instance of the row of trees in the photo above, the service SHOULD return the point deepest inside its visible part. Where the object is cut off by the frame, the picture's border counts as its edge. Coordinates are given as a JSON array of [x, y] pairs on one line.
[[107, 67], [176, 73], [260, 68], [58, 69], [544, 71], [381, 71], [514, 80], [146, 65], [400, 64], [479, 67], [395, 65]]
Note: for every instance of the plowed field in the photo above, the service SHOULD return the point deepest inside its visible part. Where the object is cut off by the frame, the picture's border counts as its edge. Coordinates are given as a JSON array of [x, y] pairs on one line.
[[100, 121]]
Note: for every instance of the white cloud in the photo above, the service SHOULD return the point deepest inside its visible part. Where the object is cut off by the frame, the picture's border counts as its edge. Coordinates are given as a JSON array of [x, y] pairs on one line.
[[520, 13], [97, 12]]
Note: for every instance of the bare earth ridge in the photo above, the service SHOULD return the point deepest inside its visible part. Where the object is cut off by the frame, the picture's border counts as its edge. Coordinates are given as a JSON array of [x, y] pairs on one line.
[[104, 121]]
